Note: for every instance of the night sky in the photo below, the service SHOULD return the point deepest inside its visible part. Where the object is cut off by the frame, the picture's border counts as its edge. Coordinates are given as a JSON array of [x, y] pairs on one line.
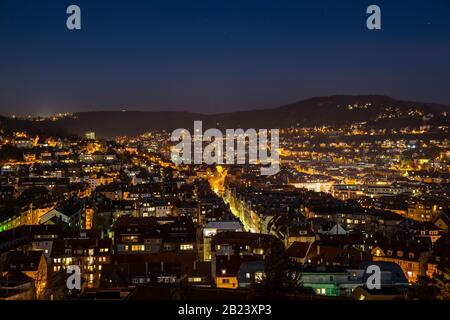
[[217, 55]]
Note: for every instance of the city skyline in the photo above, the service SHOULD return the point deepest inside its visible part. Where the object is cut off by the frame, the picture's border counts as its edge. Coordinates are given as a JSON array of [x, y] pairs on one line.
[[234, 157]]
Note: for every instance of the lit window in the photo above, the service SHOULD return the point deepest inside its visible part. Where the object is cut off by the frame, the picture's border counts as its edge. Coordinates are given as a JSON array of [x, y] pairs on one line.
[[259, 277], [137, 248], [186, 247], [259, 251]]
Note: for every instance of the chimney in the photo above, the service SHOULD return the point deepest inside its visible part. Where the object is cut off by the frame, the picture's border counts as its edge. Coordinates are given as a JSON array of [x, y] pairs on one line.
[[195, 265], [162, 266], [318, 249]]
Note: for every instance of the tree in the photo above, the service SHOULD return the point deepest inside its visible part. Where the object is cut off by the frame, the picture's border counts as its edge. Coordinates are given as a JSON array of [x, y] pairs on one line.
[[443, 287], [424, 289], [427, 288], [9, 152], [57, 287], [282, 276]]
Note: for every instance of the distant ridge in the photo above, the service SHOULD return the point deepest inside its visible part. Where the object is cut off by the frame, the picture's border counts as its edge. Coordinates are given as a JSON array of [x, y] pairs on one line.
[[35, 128], [317, 111]]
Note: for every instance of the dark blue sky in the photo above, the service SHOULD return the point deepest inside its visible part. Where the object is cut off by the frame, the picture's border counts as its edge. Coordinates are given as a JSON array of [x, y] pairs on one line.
[[217, 55]]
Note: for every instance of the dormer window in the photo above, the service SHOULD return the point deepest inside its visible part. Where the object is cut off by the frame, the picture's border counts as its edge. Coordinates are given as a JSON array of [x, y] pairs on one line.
[[389, 252], [400, 253]]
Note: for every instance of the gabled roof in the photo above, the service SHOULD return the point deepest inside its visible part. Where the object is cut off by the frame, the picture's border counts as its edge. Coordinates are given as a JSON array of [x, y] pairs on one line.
[[24, 260], [444, 216], [59, 246], [231, 264], [298, 249], [245, 238], [14, 278]]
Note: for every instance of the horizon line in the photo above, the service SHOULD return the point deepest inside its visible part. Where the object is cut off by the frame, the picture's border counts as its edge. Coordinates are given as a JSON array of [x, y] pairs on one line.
[[12, 116]]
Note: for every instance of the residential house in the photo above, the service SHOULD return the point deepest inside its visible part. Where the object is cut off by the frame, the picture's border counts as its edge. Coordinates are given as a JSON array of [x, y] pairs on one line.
[[32, 264]]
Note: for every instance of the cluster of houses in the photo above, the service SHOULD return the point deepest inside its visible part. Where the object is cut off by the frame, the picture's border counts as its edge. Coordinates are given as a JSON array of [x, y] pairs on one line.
[[135, 225]]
